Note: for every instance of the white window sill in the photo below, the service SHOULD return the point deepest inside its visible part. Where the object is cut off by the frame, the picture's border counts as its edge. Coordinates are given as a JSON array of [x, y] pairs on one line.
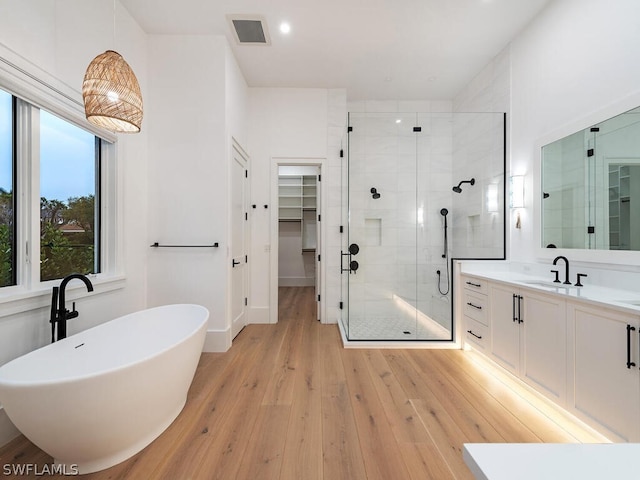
[[18, 299]]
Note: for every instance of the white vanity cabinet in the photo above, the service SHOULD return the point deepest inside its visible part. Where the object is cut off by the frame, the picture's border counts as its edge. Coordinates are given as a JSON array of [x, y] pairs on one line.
[[528, 337], [604, 369]]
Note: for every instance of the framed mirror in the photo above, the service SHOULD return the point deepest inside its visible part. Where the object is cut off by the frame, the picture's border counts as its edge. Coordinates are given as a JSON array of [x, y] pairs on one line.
[[591, 187]]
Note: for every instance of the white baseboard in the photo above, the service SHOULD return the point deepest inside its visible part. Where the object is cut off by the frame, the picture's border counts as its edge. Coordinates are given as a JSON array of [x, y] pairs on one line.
[[259, 315], [296, 281], [217, 341], [7, 430]]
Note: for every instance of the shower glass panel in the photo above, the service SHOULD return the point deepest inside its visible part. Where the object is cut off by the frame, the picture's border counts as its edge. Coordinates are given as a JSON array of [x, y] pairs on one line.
[[382, 222], [405, 221]]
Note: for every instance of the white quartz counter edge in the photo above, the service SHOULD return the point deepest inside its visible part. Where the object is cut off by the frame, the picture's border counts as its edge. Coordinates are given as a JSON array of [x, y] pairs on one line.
[[548, 461], [624, 300]]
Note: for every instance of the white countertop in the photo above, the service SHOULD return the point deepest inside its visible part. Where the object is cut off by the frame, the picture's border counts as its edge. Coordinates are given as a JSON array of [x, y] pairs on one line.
[[627, 301], [549, 461]]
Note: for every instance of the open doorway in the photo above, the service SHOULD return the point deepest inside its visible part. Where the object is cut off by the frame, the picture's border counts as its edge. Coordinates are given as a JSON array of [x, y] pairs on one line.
[[297, 233]]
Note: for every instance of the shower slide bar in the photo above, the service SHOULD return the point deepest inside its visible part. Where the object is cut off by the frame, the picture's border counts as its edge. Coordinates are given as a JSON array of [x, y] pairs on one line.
[[157, 245]]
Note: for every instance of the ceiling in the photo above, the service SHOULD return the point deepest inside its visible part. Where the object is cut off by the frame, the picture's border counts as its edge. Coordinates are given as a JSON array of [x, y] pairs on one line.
[[376, 49]]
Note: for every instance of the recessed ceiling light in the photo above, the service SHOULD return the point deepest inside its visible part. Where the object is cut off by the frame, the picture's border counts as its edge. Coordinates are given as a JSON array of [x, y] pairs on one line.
[[285, 28]]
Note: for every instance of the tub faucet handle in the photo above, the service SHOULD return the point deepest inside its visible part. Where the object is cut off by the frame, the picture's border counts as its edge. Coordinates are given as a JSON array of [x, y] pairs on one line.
[[557, 280], [71, 314]]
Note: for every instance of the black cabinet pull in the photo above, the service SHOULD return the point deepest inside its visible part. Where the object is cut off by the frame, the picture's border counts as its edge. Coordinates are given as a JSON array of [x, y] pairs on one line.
[[629, 362], [474, 284], [477, 336], [474, 306], [520, 319], [513, 307]]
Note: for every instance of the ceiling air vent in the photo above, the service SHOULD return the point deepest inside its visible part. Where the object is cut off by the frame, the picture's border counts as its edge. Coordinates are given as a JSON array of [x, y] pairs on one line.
[[249, 29]]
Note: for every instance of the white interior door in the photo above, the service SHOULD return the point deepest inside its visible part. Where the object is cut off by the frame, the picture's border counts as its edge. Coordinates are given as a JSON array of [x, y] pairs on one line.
[[238, 247]]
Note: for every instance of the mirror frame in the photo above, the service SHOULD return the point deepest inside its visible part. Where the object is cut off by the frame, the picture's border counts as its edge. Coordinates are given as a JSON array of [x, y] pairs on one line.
[[629, 258]]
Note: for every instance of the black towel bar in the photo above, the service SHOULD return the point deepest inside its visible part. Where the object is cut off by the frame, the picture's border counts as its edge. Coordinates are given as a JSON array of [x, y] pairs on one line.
[[157, 245]]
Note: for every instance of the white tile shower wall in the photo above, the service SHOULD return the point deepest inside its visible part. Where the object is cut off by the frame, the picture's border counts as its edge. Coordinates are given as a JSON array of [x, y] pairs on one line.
[[478, 154], [477, 232]]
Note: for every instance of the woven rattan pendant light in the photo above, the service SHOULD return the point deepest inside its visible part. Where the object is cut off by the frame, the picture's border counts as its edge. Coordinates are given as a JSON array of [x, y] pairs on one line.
[[111, 94]]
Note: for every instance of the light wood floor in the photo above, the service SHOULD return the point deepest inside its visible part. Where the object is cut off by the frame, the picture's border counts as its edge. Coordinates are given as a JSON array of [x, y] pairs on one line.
[[288, 402]]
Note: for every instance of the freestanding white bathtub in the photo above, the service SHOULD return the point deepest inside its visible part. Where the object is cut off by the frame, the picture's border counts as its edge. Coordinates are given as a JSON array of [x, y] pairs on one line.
[[98, 397]]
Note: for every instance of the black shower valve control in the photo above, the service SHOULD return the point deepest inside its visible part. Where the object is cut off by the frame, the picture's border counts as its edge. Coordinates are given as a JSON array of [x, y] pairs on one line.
[[354, 249]]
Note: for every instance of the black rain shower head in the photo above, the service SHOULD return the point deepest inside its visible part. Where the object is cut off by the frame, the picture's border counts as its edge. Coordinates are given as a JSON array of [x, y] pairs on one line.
[[459, 190], [374, 193]]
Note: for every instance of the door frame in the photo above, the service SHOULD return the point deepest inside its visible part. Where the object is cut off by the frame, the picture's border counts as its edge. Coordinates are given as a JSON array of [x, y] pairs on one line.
[[276, 163], [237, 148]]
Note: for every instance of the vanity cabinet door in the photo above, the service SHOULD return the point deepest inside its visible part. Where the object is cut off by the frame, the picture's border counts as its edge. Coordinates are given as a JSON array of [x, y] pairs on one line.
[[528, 337], [505, 328], [604, 372], [543, 344]]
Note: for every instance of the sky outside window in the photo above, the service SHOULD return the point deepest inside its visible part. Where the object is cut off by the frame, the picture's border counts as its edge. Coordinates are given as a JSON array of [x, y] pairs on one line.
[[7, 257], [67, 159], [6, 167]]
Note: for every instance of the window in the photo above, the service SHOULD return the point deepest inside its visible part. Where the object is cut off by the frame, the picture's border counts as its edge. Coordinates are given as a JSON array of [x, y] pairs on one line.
[[7, 210], [66, 194], [69, 200]]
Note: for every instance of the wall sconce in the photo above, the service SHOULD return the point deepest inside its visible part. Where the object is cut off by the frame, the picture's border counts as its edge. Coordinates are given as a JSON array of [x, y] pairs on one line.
[[516, 199], [516, 196], [492, 198]]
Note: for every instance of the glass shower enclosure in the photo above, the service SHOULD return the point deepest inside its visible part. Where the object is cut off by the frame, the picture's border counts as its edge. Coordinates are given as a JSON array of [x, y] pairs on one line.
[[406, 222]]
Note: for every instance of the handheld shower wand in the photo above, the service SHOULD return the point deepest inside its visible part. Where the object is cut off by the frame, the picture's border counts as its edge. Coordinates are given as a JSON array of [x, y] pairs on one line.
[[444, 212]]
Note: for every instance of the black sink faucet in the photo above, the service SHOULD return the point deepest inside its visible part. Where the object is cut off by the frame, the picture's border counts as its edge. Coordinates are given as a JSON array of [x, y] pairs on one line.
[[566, 269], [59, 312]]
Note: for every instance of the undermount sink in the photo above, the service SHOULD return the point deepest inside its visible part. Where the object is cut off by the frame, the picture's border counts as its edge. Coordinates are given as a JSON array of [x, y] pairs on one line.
[[547, 285]]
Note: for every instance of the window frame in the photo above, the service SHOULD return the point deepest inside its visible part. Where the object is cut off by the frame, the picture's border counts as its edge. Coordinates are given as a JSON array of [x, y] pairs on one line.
[[34, 89], [98, 145]]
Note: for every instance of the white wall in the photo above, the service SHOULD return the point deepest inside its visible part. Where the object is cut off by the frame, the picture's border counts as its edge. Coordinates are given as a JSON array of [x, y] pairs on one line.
[[294, 125], [478, 153], [196, 108], [45, 33], [575, 65]]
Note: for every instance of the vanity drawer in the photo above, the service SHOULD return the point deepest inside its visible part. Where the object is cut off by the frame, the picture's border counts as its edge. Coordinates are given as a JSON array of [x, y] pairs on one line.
[[475, 306], [474, 284], [476, 333]]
